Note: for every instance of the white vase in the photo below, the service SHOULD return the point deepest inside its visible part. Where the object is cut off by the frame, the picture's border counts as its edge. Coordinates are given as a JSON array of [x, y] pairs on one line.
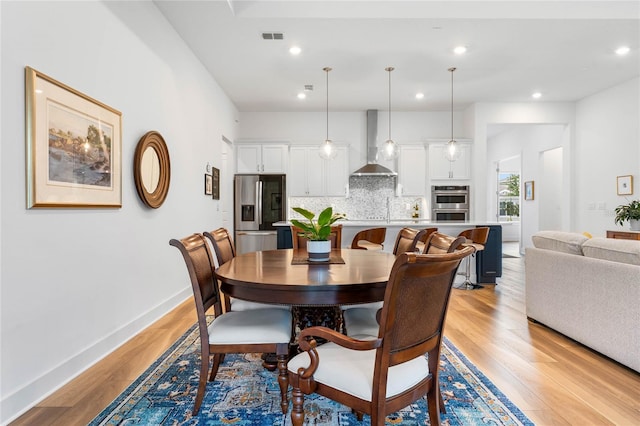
[[634, 224], [319, 251]]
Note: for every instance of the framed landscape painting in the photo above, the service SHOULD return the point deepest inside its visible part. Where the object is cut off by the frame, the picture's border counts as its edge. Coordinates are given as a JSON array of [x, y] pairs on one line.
[[73, 145]]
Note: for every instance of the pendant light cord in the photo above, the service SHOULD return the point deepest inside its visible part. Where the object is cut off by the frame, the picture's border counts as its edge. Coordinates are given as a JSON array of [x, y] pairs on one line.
[[327, 69], [389, 69], [452, 70]]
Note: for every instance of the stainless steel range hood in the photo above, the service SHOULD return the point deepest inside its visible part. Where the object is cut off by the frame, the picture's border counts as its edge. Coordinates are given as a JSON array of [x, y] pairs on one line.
[[372, 168]]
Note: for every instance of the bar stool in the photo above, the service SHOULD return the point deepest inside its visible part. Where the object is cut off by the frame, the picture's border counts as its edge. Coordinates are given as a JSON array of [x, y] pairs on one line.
[[369, 239], [476, 238]]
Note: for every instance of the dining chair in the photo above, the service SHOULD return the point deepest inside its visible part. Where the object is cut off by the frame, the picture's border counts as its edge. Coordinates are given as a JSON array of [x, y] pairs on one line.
[[250, 331], [442, 243], [383, 375], [225, 250], [299, 241], [369, 239], [362, 317], [362, 321], [476, 238], [420, 245]]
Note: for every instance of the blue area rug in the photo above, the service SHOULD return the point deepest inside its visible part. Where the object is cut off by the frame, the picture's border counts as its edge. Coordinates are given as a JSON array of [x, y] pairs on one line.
[[244, 393]]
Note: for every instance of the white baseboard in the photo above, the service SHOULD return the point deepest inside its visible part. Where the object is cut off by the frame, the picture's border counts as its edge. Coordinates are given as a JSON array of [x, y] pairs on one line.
[[17, 403]]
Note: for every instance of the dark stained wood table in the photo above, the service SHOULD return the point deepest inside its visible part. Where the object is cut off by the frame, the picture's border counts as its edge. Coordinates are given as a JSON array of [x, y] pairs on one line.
[[270, 277]]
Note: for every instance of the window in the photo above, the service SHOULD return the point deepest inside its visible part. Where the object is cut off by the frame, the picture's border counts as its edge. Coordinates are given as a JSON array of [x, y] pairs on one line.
[[508, 196]]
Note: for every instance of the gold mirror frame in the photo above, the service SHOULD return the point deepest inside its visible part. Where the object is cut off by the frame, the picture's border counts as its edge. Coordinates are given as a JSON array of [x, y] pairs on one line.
[[154, 141]]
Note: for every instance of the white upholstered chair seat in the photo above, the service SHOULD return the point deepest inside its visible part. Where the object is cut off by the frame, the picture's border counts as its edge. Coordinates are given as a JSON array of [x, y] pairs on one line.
[[245, 305], [361, 322], [356, 370], [252, 326]]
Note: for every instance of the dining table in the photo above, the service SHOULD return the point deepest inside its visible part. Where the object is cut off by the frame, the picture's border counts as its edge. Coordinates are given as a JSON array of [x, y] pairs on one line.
[[286, 276]]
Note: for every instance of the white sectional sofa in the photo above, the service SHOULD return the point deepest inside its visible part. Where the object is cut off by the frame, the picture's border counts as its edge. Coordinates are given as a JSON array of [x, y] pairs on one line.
[[587, 289]]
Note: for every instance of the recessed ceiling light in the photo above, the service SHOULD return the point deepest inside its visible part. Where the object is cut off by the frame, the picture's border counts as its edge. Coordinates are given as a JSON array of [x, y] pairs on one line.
[[623, 50], [459, 50], [295, 50], [302, 95], [419, 95], [536, 95]]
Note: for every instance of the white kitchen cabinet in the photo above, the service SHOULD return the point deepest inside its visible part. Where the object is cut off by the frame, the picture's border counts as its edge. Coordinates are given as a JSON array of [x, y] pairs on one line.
[[310, 175], [337, 173], [440, 168], [262, 158], [412, 170]]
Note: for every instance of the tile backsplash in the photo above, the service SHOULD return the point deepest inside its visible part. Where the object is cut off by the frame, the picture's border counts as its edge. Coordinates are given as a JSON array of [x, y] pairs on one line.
[[367, 199]]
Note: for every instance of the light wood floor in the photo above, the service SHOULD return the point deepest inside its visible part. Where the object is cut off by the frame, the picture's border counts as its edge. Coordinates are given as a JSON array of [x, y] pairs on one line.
[[553, 380]]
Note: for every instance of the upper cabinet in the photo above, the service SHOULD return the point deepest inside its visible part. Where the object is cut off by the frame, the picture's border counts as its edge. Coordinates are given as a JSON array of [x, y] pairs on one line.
[[310, 175], [440, 168], [262, 158], [412, 170]]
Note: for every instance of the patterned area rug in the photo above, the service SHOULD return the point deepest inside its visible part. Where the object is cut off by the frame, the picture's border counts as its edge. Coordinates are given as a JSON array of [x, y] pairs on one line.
[[244, 393]]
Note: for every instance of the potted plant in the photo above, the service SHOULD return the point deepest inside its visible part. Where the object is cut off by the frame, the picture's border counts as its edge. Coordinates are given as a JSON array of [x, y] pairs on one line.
[[630, 212], [317, 231]]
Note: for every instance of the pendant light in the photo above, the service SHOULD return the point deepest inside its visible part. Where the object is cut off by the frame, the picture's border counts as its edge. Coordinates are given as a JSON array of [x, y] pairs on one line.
[[452, 150], [389, 148], [327, 149]]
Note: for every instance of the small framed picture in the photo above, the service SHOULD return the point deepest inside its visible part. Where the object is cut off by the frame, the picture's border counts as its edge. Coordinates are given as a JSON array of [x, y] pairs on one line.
[[625, 185], [528, 190], [208, 184], [216, 183]]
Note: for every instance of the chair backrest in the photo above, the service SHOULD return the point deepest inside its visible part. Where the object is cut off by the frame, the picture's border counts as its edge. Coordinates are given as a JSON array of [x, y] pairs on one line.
[[373, 235], [415, 305], [199, 260], [407, 240], [426, 234], [300, 242], [442, 243], [476, 235], [222, 244]]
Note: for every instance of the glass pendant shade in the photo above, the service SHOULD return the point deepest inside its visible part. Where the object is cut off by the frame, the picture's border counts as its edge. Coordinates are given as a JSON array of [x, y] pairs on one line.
[[326, 149], [389, 149], [452, 151]]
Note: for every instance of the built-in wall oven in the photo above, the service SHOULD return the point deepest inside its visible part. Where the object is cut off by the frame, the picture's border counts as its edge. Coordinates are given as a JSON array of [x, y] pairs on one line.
[[450, 203]]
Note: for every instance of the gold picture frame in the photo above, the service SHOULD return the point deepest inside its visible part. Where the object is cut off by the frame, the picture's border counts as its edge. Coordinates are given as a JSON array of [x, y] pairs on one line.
[[73, 147], [529, 190], [624, 185]]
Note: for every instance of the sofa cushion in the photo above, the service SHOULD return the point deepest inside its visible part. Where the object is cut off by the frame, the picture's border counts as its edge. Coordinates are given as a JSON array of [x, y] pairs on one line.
[[565, 242], [615, 250]]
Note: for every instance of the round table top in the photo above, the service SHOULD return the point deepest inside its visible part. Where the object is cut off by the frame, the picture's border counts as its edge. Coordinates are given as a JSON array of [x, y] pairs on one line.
[[270, 277]]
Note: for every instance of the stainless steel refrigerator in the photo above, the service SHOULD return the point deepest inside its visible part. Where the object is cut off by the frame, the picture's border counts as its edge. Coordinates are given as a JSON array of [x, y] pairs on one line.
[[259, 202]]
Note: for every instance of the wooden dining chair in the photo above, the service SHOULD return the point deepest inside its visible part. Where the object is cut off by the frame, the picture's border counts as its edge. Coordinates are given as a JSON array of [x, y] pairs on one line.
[[299, 241], [250, 331], [369, 239], [407, 240], [383, 375], [225, 250], [422, 241], [442, 243]]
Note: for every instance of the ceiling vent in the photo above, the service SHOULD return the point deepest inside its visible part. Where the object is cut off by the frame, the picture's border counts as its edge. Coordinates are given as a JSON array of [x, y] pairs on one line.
[[272, 36], [308, 87]]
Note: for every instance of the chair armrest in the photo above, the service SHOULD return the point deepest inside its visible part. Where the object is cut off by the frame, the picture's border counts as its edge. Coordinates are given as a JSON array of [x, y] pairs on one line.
[[335, 337]]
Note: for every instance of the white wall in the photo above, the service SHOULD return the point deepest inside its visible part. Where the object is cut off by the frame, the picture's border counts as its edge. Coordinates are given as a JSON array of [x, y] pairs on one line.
[[608, 145], [75, 284]]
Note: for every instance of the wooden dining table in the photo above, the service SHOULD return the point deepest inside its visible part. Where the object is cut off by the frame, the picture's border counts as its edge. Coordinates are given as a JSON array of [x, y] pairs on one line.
[[285, 277]]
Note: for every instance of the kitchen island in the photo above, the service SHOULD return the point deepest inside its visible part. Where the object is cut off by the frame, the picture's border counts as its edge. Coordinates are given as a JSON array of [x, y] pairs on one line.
[[488, 262]]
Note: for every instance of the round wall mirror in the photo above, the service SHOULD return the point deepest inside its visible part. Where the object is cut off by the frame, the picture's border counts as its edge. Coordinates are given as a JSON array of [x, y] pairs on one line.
[[152, 169]]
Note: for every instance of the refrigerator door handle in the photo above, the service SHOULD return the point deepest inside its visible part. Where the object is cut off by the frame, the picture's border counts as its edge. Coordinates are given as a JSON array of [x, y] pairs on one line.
[[259, 201]]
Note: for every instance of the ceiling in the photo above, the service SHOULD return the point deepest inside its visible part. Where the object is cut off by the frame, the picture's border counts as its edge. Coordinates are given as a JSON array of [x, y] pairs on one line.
[[562, 49]]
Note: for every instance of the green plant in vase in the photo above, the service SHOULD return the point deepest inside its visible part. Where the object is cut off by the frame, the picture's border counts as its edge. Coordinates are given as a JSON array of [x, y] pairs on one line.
[[319, 229], [629, 212]]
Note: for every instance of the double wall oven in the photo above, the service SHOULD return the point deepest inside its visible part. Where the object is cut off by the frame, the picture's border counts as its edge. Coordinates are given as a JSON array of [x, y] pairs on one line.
[[450, 203]]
